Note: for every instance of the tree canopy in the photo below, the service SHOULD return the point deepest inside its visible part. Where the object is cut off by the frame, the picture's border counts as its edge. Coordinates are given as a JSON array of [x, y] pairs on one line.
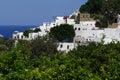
[[26, 32], [62, 32], [101, 6], [92, 6], [37, 30], [6, 44], [88, 62], [39, 60], [104, 10]]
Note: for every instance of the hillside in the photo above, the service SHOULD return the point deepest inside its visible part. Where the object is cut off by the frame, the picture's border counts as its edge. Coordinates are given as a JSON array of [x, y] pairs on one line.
[[38, 59], [28, 61], [104, 10]]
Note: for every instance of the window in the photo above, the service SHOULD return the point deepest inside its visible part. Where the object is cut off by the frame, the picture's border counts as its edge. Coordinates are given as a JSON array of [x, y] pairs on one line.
[[61, 46], [67, 46], [22, 36], [75, 28], [78, 28], [87, 40], [83, 16], [15, 37]]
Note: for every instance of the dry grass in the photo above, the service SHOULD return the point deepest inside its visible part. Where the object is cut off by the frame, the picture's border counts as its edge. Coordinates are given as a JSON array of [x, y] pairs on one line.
[[114, 25]]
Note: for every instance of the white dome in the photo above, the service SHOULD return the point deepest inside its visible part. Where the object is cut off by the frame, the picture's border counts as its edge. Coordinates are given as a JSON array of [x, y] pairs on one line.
[[1, 36], [15, 32]]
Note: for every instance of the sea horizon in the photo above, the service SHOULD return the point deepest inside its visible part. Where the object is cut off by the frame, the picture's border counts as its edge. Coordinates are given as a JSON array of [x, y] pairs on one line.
[[7, 30]]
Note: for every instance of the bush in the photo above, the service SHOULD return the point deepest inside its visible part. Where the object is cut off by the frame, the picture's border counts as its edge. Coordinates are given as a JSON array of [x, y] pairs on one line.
[[26, 32], [37, 30]]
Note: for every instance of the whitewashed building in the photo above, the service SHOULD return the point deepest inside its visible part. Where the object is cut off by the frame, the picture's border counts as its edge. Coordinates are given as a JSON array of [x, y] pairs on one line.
[[45, 28], [66, 47], [85, 31], [84, 35]]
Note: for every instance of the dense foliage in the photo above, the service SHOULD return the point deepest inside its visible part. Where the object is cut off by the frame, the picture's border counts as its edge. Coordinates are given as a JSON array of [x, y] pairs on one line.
[[101, 6], [104, 10], [62, 32], [26, 32], [31, 61], [6, 44], [37, 30], [39, 60]]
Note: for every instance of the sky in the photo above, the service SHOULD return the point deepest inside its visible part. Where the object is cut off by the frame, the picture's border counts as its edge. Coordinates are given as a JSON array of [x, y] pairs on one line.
[[35, 12]]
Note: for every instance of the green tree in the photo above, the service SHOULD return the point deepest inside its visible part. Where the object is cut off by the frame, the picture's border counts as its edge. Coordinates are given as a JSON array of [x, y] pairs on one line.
[[6, 44], [43, 44], [92, 6], [104, 10], [62, 32], [26, 32], [37, 30]]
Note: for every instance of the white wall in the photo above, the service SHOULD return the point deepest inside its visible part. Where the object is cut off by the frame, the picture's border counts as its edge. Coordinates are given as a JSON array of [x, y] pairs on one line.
[[66, 47], [70, 21], [85, 25], [18, 35], [86, 31]]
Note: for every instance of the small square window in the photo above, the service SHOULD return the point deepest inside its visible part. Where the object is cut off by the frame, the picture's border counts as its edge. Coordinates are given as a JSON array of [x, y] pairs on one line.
[[67, 46], [22, 36], [75, 28], [61, 46], [86, 39]]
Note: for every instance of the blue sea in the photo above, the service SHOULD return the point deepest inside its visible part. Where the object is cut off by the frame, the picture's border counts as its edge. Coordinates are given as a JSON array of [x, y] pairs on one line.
[[7, 31]]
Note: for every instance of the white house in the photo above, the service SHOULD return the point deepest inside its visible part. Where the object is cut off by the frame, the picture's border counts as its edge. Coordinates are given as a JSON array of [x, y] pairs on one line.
[[85, 31], [18, 35], [66, 47], [45, 28], [96, 35]]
